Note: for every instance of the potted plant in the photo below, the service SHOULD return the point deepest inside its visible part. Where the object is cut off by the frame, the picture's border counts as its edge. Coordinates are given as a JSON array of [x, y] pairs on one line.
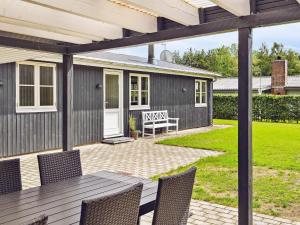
[[132, 127]]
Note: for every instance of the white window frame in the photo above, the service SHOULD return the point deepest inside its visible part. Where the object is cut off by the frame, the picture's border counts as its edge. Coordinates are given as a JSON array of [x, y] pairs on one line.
[[139, 106], [201, 104], [37, 107]]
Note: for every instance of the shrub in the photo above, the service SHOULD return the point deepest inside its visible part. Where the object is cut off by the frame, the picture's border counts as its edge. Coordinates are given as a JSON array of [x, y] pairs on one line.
[[274, 108]]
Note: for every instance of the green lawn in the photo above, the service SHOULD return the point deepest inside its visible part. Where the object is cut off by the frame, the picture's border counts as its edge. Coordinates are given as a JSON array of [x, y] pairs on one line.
[[276, 159]]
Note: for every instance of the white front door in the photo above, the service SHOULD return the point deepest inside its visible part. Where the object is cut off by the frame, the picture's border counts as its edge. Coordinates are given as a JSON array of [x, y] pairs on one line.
[[113, 103]]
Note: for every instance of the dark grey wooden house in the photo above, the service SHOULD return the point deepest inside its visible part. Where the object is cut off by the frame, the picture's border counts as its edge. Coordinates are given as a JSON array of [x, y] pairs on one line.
[[107, 88]]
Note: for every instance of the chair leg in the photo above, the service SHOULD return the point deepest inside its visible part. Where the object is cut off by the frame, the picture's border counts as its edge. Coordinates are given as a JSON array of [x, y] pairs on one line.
[[139, 221], [153, 132], [143, 134]]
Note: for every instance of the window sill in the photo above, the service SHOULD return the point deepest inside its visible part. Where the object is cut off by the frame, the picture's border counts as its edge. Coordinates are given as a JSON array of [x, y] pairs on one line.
[[201, 105], [35, 110], [132, 108]]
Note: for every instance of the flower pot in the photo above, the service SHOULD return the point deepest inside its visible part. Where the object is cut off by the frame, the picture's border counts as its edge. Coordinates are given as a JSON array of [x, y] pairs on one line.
[[134, 135]]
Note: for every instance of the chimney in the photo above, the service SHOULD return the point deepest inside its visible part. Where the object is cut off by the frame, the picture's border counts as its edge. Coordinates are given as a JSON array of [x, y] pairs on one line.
[[279, 76], [151, 53]]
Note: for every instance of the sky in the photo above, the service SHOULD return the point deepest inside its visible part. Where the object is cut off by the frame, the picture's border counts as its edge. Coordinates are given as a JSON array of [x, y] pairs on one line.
[[287, 34]]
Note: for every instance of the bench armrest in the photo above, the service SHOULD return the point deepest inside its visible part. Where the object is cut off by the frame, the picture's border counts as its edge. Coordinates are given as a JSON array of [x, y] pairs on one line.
[[177, 119]]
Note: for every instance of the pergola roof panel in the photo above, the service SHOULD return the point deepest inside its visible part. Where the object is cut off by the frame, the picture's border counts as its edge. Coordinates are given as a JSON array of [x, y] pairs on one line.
[[35, 16], [201, 3], [84, 21], [111, 12], [176, 10]]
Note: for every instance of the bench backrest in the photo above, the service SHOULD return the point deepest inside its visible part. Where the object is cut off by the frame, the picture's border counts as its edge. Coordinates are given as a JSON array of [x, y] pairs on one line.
[[155, 116]]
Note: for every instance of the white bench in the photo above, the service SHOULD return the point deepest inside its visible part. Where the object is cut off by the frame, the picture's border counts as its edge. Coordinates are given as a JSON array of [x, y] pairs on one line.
[[157, 119]]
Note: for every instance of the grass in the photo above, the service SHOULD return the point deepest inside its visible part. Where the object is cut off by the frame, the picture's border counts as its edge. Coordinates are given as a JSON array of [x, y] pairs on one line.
[[276, 160]]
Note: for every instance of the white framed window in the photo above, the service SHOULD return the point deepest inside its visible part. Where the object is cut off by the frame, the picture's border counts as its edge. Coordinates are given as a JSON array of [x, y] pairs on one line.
[[200, 93], [35, 87], [139, 91]]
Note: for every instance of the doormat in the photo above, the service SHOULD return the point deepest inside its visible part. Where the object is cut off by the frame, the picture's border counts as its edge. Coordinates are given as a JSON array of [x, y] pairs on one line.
[[117, 140]]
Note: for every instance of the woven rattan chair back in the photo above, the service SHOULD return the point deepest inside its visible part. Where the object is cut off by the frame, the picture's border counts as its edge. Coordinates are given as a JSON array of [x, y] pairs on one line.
[[41, 220], [173, 199], [10, 176], [116, 209], [59, 166]]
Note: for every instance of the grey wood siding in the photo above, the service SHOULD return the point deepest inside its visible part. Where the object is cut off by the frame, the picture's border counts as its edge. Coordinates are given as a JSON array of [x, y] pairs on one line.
[[166, 93], [32, 132], [88, 105], [22, 133]]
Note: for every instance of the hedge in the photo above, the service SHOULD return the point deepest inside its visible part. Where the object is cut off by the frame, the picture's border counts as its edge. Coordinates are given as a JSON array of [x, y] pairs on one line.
[[273, 108]]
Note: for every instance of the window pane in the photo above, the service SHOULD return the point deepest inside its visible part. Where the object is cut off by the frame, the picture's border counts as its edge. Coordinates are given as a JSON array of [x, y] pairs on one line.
[[46, 96], [144, 83], [197, 86], [203, 97], [198, 98], [26, 74], [134, 83], [204, 86], [46, 75], [134, 99], [26, 96], [144, 98], [112, 91]]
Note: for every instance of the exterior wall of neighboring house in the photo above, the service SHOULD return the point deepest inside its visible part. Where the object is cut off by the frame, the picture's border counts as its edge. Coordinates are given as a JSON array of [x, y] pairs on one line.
[[230, 91], [291, 91], [22, 133]]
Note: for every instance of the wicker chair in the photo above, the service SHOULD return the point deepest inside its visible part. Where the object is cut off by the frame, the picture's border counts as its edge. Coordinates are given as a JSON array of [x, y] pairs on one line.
[[173, 199], [41, 220], [59, 166], [115, 209], [10, 176]]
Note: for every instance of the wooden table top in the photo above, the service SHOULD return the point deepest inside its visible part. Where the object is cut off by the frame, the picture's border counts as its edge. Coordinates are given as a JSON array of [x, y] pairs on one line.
[[62, 201]]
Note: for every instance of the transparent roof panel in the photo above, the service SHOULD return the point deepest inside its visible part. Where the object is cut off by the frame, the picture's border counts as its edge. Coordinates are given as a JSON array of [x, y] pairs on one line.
[[200, 3]]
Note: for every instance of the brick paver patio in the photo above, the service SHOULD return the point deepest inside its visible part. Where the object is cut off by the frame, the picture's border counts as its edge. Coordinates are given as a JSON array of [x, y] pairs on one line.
[[144, 158]]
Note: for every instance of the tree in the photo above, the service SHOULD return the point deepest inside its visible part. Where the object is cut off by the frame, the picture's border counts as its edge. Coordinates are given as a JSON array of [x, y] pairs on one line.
[[224, 60]]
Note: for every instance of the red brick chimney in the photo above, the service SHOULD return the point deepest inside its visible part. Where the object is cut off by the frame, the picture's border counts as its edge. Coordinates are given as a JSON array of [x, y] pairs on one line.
[[279, 76]]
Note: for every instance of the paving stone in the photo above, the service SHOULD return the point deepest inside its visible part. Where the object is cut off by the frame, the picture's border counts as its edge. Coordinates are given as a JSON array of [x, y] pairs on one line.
[[145, 159]]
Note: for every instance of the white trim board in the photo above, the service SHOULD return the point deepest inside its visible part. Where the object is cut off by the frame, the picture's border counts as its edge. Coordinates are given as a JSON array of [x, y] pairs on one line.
[[88, 61], [37, 107], [121, 101], [139, 106]]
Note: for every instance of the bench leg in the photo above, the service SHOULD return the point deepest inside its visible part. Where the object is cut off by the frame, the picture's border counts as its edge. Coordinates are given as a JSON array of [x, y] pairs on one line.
[[177, 129], [167, 129], [153, 132], [143, 134]]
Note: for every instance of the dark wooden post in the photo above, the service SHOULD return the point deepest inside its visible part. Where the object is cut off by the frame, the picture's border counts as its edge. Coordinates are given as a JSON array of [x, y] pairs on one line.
[[245, 126], [67, 102]]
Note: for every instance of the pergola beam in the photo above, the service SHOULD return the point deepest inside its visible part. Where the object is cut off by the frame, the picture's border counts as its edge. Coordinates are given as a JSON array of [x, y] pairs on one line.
[[254, 20], [32, 45], [39, 17], [68, 76], [236, 7], [105, 11], [245, 126], [176, 10]]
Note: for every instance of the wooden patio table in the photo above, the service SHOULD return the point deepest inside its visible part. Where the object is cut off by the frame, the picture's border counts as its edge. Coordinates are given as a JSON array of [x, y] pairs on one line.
[[61, 201]]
